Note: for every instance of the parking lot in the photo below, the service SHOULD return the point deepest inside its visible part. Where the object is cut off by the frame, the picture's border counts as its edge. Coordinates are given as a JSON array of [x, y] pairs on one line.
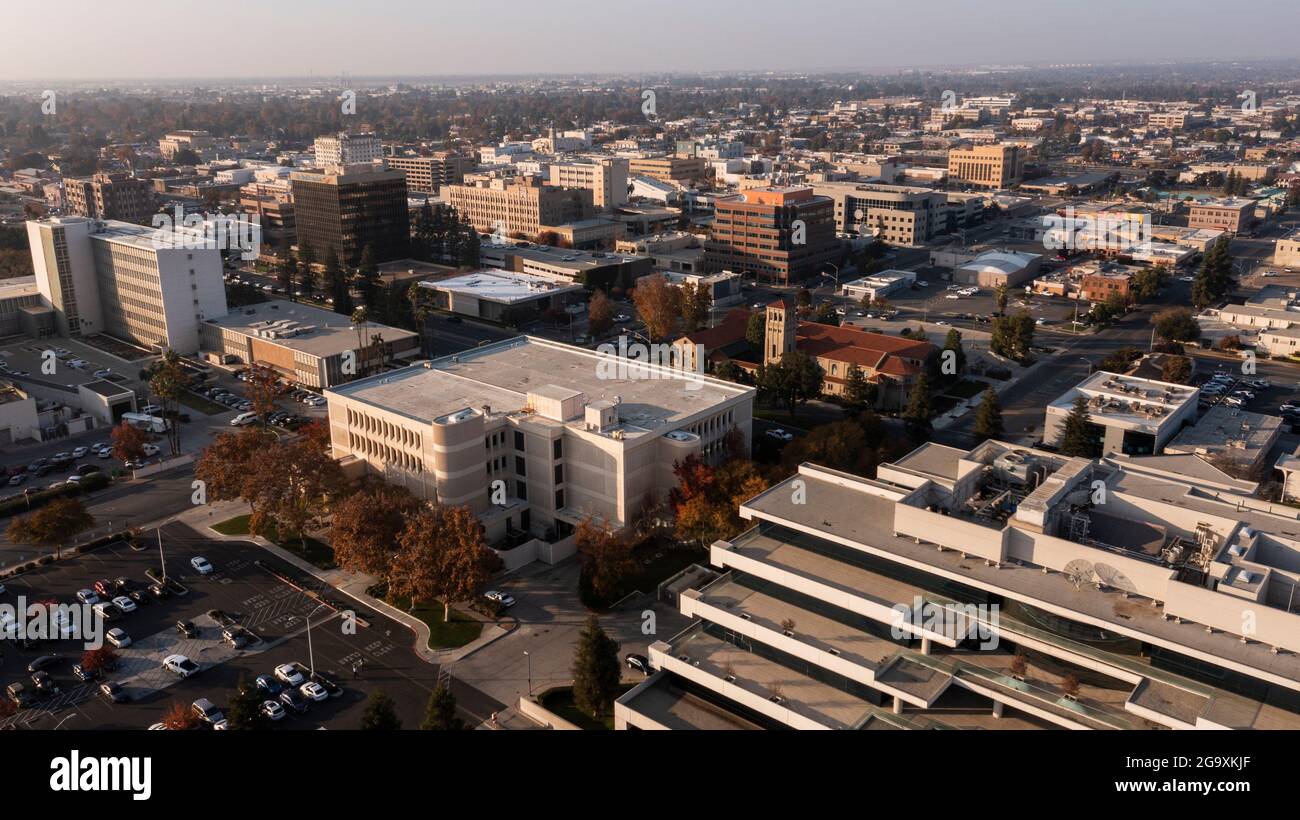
[[247, 587]]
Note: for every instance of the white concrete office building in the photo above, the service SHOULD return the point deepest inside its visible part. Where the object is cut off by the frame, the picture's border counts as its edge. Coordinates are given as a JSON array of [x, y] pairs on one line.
[[136, 283]]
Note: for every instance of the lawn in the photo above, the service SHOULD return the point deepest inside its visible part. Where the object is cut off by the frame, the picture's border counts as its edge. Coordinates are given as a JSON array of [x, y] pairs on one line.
[[456, 633], [560, 701], [317, 553]]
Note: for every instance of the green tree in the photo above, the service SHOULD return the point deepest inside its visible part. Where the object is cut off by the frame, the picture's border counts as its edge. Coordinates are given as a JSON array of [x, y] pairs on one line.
[[793, 380], [380, 713], [337, 283], [596, 670], [952, 345], [1214, 279], [1000, 294], [919, 408], [1176, 369], [245, 710], [859, 392], [1075, 438], [988, 418], [826, 315], [1146, 283], [440, 713], [1176, 325], [168, 381], [756, 329]]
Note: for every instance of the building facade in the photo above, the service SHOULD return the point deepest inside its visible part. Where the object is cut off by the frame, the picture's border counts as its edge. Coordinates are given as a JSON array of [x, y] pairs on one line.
[[986, 166], [427, 175], [519, 207], [348, 149], [138, 284], [781, 235], [343, 210], [119, 197]]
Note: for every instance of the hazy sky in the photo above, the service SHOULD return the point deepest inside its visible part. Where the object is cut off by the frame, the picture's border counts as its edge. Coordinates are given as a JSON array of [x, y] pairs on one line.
[[114, 39]]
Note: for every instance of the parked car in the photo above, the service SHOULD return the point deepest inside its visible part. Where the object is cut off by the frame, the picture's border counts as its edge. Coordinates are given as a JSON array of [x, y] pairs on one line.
[[208, 712], [289, 673], [201, 565], [44, 662], [294, 701], [505, 599], [268, 685], [87, 597], [83, 674], [638, 662], [114, 692], [124, 603], [313, 691], [779, 434], [44, 684], [180, 664], [272, 710], [187, 629], [117, 637]]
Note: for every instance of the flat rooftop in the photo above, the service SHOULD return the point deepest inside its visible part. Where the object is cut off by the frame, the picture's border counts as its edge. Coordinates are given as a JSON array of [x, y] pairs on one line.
[[506, 287], [670, 705], [330, 333], [1116, 398], [652, 399]]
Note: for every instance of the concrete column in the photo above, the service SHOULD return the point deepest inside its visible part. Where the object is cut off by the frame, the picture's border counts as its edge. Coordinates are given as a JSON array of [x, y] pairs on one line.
[[925, 646], [997, 708], [898, 705]]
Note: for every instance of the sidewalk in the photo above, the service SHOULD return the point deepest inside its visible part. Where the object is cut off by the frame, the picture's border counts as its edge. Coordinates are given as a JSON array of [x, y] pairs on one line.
[[352, 584]]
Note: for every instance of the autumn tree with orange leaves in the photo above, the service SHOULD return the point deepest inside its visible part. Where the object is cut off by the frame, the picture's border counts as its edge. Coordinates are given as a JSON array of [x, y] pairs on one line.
[[441, 555], [365, 526], [659, 305], [605, 560], [128, 442], [286, 482], [180, 716], [707, 499]]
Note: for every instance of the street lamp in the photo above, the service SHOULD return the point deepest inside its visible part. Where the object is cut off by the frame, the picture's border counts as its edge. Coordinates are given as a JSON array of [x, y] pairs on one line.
[[530, 672], [311, 657]]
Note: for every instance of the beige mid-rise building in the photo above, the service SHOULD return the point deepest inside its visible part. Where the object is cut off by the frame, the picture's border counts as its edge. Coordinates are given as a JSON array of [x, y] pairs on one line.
[[1286, 251], [519, 206], [534, 435], [606, 178], [1233, 214], [683, 170], [987, 166], [429, 174]]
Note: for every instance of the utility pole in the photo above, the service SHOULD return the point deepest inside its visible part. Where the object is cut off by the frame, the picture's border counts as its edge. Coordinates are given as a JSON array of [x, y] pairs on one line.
[[162, 558]]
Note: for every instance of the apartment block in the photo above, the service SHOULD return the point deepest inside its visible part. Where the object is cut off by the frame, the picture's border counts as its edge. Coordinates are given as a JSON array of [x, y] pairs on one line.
[[429, 174], [141, 285], [119, 197], [348, 149], [1000, 587], [987, 166], [519, 206], [781, 235], [344, 209], [535, 435], [1231, 214], [605, 177]]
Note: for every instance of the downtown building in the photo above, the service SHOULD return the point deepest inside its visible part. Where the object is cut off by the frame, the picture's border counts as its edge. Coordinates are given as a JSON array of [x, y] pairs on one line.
[[995, 166], [534, 436], [150, 287], [519, 207], [995, 588], [119, 197], [343, 209], [344, 148], [427, 175], [781, 235]]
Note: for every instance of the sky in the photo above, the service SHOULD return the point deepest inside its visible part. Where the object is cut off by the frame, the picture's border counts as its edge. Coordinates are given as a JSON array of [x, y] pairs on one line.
[[134, 39]]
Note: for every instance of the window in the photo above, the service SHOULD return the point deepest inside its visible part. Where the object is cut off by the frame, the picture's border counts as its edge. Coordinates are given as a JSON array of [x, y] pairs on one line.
[[521, 490], [557, 448], [559, 499], [520, 466], [559, 473], [519, 441]]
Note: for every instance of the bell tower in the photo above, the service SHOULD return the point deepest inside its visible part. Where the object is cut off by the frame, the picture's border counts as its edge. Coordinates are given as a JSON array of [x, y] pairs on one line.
[[779, 335]]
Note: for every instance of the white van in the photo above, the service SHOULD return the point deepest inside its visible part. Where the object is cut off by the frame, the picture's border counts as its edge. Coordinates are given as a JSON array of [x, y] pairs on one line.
[[242, 419]]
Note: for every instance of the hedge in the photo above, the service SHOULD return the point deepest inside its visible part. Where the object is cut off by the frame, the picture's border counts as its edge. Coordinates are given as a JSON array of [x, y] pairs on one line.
[[19, 504]]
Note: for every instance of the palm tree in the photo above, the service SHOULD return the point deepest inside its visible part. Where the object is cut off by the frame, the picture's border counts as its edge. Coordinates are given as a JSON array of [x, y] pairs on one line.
[[359, 322]]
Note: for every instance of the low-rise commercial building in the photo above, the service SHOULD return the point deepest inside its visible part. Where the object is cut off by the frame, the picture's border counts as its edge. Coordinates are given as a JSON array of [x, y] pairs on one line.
[[498, 295], [1126, 414], [1233, 214], [304, 344]]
